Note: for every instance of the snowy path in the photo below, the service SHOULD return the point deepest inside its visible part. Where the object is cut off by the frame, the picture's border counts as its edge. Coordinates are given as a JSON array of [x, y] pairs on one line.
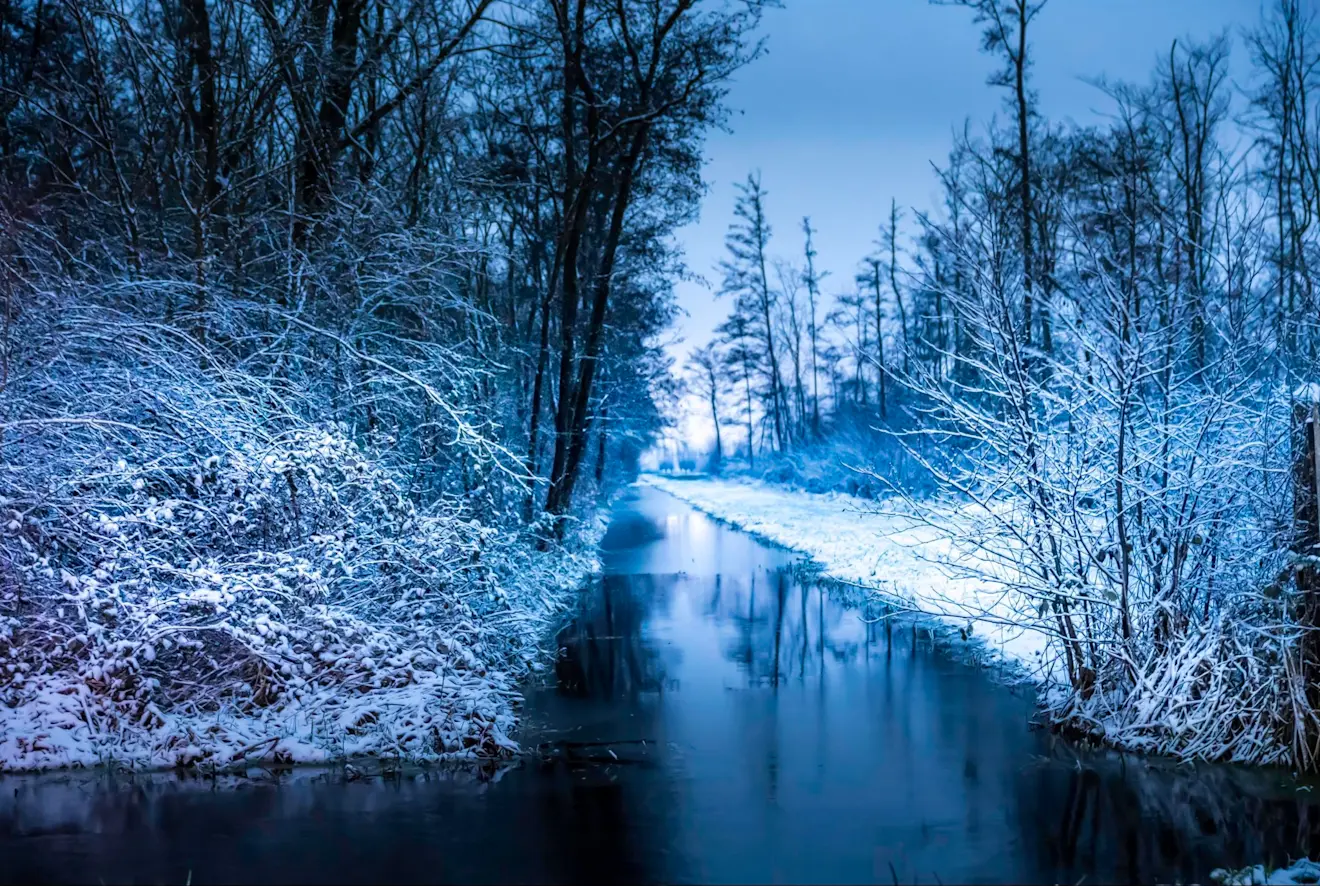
[[853, 542]]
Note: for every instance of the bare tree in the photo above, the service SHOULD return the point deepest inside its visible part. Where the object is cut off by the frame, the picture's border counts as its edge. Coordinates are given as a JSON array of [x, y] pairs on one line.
[[746, 277], [790, 325], [706, 367], [1006, 23], [740, 362], [812, 280]]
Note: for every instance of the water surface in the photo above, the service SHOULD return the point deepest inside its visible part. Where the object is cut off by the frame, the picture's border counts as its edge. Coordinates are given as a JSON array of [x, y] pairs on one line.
[[711, 718]]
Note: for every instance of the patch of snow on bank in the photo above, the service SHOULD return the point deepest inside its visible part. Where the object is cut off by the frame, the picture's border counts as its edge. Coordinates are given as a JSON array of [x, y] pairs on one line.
[[236, 630], [1301, 871], [434, 691], [861, 542]]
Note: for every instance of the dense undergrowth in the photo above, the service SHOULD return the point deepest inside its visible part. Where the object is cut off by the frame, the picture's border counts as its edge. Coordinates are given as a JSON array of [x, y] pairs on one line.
[[192, 571]]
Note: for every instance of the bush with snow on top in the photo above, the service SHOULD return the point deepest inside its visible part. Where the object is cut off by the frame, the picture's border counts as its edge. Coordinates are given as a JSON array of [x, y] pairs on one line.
[[194, 575]]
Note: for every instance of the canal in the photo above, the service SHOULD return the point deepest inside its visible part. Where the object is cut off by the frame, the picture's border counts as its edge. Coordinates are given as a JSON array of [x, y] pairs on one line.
[[712, 716]]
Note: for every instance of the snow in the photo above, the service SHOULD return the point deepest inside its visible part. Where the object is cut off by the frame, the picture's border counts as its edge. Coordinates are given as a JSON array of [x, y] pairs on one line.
[[434, 700], [877, 546], [1308, 393], [393, 631], [1301, 871]]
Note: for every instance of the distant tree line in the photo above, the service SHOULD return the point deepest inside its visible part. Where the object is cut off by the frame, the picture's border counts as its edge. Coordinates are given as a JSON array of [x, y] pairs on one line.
[[1200, 209]]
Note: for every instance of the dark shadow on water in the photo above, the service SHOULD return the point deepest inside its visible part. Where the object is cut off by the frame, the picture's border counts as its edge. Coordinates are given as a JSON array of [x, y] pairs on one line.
[[710, 718]]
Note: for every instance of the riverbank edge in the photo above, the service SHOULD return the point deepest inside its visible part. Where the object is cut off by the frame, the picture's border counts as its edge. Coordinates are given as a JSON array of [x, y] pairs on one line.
[[284, 745], [831, 527], [973, 650], [951, 630]]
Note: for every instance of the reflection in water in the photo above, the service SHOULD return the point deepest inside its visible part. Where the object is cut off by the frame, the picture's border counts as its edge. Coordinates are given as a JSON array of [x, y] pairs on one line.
[[600, 653], [711, 718]]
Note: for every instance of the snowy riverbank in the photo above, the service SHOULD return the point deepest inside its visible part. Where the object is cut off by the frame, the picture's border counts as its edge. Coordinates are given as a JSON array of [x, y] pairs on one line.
[[426, 689], [858, 541], [281, 603], [876, 545], [1300, 871]]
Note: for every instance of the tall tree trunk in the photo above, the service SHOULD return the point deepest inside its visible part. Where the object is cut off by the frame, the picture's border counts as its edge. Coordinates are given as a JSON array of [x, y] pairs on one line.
[[751, 432], [893, 284], [563, 480], [813, 296], [1024, 163], [765, 298], [715, 417], [883, 370]]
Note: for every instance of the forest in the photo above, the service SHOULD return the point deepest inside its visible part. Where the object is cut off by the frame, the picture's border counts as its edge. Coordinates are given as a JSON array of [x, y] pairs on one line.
[[326, 325], [331, 327], [1092, 369], [344, 533]]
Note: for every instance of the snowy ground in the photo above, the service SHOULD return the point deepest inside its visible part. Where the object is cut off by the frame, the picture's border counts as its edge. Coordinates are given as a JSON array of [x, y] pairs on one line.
[[857, 541], [424, 692], [1300, 871]]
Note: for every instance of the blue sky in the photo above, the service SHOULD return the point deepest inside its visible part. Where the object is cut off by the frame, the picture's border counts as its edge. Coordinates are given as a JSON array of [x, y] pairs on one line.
[[855, 98]]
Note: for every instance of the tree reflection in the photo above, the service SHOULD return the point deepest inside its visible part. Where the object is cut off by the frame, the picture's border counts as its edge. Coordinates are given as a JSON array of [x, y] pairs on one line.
[[603, 653], [789, 633], [1138, 820]]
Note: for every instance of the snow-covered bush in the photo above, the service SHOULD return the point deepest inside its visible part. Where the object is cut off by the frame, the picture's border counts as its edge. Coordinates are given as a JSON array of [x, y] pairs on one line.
[[849, 459], [1134, 506], [191, 571]]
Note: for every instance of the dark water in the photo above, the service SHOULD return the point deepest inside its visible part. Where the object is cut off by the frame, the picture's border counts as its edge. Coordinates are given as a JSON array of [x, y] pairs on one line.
[[711, 719]]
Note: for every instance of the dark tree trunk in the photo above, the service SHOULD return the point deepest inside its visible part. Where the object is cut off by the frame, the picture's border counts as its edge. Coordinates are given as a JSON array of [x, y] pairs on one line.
[[1024, 162], [563, 480], [1306, 544]]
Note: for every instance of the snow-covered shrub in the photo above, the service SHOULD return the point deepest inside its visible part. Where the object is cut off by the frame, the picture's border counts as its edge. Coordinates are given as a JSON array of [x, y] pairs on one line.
[[1304, 870], [1132, 505], [191, 571], [1138, 531], [849, 459]]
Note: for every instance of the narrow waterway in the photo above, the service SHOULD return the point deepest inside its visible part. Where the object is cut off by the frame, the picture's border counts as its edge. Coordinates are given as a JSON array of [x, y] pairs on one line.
[[711, 718]]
